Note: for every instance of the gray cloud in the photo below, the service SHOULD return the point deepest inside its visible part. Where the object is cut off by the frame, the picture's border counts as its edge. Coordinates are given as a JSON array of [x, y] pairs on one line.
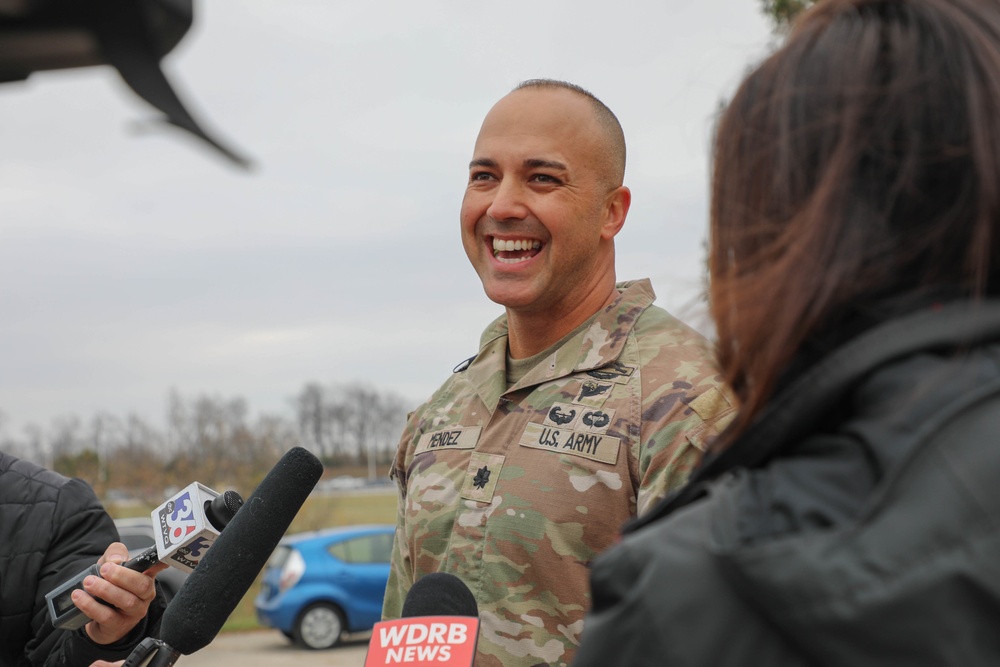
[[134, 261]]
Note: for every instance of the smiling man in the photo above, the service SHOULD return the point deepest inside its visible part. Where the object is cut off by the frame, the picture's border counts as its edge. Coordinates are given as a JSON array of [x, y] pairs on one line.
[[585, 405]]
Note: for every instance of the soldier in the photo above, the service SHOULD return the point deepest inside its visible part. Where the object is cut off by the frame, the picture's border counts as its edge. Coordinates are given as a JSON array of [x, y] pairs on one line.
[[585, 405]]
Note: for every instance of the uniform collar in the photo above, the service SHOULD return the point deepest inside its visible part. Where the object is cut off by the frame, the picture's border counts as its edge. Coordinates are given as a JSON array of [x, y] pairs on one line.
[[595, 346]]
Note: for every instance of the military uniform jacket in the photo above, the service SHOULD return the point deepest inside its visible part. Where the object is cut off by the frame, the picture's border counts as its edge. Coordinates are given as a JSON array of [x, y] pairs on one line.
[[515, 490]]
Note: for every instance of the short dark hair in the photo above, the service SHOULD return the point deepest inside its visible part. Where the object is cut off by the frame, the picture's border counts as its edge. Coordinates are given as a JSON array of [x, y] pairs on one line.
[[856, 169], [605, 117]]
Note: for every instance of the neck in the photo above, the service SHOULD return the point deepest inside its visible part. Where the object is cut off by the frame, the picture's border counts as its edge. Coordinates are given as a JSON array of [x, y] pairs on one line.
[[532, 332]]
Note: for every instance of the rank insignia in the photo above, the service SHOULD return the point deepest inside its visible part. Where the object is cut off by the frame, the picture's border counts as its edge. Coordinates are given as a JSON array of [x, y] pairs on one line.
[[481, 476]]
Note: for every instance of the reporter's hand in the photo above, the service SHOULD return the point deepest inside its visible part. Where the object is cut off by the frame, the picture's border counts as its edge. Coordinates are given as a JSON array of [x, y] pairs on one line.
[[105, 663], [128, 591]]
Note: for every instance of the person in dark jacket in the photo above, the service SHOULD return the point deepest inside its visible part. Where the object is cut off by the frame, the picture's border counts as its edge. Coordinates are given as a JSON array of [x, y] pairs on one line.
[[52, 528], [850, 515]]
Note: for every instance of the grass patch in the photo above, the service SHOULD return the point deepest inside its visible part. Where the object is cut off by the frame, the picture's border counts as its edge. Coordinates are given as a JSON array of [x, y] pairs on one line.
[[345, 510]]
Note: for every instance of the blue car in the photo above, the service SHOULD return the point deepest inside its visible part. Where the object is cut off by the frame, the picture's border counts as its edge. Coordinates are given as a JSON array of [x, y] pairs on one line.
[[318, 585]]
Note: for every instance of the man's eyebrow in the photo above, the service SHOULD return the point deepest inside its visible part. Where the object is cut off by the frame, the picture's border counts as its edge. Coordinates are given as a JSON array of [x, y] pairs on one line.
[[544, 164], [531, 163]]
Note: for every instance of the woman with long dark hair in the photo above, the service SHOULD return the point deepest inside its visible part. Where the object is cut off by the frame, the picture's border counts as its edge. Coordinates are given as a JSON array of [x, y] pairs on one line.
[[851, 513]]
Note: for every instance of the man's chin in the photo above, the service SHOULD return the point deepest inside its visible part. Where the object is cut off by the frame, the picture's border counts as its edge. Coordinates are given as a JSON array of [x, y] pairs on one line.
[[512, 299]]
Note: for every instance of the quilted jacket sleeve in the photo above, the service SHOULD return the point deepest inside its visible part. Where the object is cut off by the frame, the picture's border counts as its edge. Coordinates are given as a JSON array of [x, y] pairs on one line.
[[81, 531]]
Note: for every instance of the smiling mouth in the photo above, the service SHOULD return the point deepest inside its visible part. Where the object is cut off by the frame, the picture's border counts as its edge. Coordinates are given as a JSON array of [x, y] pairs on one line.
[[512, 251]]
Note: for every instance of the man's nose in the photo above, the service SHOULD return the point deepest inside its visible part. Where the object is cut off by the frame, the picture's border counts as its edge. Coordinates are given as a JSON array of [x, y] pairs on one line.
[[508, 201]]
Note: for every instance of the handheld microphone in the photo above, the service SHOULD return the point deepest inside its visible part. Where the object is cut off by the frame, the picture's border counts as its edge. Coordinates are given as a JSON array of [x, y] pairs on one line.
[[189, 523], [202, 605], [439, 626]]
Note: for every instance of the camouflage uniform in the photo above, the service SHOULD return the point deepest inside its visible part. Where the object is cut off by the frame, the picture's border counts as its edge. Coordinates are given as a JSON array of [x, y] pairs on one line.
[[516, 490]]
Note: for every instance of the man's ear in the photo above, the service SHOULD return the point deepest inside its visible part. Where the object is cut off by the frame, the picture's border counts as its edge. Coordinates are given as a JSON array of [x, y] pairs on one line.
[[615, 210]]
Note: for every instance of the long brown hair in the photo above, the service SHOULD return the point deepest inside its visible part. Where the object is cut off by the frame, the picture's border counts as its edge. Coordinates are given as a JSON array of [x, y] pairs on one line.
[[858, 164]]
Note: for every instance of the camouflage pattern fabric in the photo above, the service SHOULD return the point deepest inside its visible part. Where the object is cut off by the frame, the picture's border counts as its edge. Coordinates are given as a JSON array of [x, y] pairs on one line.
[[516, 490]]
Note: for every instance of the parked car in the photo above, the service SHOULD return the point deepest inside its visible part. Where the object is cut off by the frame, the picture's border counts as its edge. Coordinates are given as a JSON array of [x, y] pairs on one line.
[[318, 585], [137, 536]]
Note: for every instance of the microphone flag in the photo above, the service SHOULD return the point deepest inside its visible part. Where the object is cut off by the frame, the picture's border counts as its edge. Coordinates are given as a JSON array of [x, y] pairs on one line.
[[184, 532], [424, 641]]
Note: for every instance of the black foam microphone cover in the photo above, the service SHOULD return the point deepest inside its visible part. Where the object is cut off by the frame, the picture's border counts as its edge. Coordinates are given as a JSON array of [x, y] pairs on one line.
[[210, 594], [439, 594]]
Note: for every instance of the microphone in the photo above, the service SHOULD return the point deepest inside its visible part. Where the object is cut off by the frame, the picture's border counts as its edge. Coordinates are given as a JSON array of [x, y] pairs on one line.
[[189, 523], [207, 598], [439, 626]]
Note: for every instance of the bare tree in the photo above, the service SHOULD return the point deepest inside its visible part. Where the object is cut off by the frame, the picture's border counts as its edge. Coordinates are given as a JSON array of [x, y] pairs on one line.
[[312, 413], [213, 440], [66, 442], [105, 434], [390, 425], [375, 420], [34, 447], [22, 449], [179, 437]]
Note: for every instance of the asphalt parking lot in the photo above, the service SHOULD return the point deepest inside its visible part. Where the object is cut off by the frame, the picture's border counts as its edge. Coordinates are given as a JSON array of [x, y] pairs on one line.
[[266, 648]]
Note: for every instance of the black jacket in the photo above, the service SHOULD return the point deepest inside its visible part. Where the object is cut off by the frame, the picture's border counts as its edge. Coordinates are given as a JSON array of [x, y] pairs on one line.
[[857, 522], [51, 528]]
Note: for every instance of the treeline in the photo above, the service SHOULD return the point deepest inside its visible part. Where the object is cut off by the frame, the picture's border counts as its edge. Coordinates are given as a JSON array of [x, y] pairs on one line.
[[214, 440]]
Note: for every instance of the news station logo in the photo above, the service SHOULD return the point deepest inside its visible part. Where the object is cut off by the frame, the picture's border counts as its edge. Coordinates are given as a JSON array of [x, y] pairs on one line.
[[177, 519], [438, 641], [190, 555]]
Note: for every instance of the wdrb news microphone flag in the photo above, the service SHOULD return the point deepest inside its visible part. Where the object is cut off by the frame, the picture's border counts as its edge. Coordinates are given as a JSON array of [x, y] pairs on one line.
[[424, 641]]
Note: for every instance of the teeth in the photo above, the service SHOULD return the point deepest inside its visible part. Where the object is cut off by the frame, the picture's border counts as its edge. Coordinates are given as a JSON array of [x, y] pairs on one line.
[[500, 245]]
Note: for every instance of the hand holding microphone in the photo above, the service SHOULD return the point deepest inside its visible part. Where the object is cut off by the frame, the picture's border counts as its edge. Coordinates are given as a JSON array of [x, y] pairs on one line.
[[117, 598], [188, 524], [225, 574]]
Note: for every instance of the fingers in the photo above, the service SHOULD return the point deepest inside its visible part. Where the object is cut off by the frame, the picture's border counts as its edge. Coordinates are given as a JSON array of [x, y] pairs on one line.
[[105, 663], [115, 553], [124, 588], [156, 569], [127, 592]]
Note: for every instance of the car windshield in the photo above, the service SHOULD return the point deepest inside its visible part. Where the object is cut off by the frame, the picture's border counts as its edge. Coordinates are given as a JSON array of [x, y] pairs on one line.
[[279, 556], [366, 549]]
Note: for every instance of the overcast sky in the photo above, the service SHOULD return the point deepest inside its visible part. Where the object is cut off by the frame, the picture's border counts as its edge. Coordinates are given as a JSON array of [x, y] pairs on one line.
[[133, 261]]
